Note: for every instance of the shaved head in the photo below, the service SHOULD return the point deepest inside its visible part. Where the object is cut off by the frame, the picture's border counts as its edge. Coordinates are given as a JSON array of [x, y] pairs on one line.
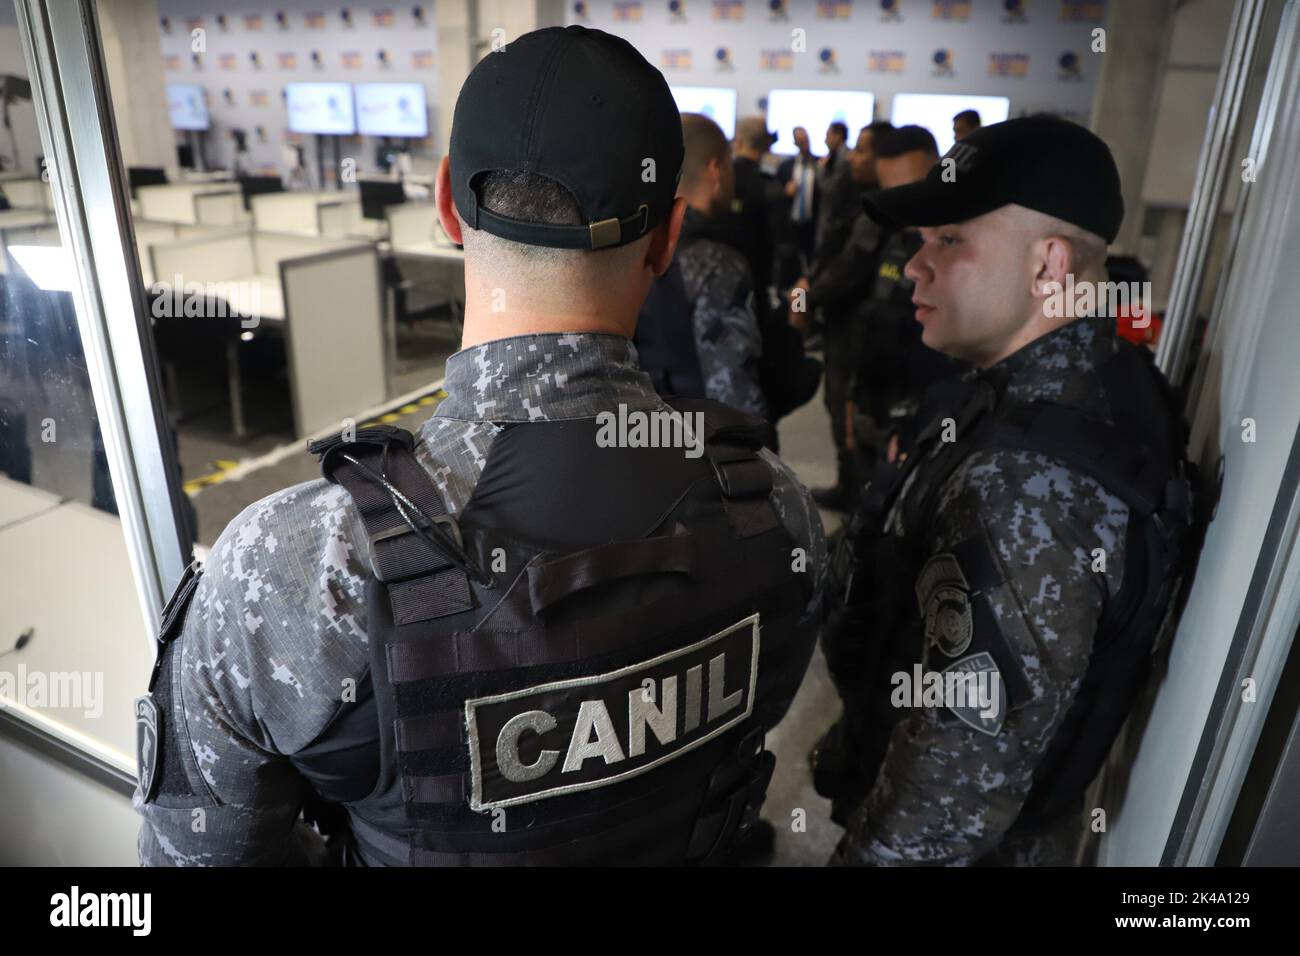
[[704, 141], [982, 285]]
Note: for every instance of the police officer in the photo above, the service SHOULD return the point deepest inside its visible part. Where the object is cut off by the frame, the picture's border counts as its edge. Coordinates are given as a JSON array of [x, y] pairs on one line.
[[891, 367], [554, 625], [1000, 591], [835, 287], [699, 332]]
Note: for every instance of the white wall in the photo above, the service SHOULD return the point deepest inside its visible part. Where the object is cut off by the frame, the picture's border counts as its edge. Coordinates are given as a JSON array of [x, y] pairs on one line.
[[1250, 375], [129, 29], [755, 47], [247, 95]]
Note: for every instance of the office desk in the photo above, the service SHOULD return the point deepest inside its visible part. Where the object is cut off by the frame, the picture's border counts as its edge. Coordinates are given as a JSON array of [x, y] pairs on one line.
[[20, 218], [12, 220], [265, 296], [20, 502], [323, 296], [427, 249], [93, 627]]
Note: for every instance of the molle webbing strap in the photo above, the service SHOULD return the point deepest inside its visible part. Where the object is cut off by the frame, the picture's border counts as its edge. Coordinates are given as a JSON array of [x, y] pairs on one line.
[[555, 580], [422, 583], [732, 444], [486, 648]]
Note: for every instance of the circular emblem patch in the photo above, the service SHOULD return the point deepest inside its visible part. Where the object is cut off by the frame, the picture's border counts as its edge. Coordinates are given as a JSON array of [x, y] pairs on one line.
[[948, 620]]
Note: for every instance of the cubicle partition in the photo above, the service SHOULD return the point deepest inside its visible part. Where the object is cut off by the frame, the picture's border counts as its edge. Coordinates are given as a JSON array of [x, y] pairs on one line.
[[297, 213], [27, 192], [341, 218], [324, 296], [217, 203]]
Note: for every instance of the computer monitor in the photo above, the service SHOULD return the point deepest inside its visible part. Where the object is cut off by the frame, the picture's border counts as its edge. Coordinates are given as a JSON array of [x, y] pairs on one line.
[[387, 155], [137, 176], [392, 109], [718, 103], [324, 108], [815, 110], [186, 106], [252, 186], [935, 111], [377, 194]]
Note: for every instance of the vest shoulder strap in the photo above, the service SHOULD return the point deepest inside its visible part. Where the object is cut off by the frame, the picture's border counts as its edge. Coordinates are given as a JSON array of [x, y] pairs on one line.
[[415, 546], [733, 441]]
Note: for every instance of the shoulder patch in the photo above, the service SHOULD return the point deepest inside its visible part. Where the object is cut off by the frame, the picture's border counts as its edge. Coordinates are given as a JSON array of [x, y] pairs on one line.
[[146, 746], [982, 700], [943, 596]]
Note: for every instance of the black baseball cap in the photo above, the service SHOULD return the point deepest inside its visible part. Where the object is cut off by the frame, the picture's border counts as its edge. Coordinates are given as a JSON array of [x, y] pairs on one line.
[[581, 107], [1040, 162]]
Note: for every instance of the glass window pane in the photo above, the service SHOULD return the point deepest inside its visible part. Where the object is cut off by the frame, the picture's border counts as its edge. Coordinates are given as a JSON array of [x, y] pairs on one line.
[[74, 647], [281, 199]]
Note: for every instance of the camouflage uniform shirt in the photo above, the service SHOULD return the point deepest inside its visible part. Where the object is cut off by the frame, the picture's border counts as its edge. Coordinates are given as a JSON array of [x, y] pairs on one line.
[[949, 794], [728, 343], [278, 621]]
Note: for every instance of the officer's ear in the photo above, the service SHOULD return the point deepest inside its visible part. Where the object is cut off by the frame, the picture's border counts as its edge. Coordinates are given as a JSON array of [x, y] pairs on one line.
[[663, 239], [446, 205], [1054, 257]]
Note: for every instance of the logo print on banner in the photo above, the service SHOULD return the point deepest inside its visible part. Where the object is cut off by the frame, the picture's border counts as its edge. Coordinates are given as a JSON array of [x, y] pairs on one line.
[[1009, 64], [287, 61], [626, 11], [886, 61], [728, 9], [775, 60], [580, 11], [722, 60], [890, 11], [776, 10], [1013, 11], [676, 11], [1071, 67], [228, 61], [942, 60], [675, 59], [834, 9], [951, 10], [1083, 10]]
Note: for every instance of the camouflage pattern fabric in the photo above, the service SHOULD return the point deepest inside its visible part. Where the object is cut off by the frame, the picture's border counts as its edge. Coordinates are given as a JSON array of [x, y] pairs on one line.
[[728, 343], [948, 793], [277, 627]]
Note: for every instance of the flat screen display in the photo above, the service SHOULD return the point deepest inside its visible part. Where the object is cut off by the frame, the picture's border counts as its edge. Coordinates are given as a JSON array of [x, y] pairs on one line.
[[392, 109], [815, 110], [935, 111], [718, 103], [321, 108], [186, 106]]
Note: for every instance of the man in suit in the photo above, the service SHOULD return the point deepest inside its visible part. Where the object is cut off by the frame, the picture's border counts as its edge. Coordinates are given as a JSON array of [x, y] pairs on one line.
[[798, 177]]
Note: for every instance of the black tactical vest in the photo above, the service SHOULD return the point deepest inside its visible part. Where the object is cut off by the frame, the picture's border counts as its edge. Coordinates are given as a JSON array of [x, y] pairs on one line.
[[665, 337], [580, 666], [896, 363], [1140, 459]]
